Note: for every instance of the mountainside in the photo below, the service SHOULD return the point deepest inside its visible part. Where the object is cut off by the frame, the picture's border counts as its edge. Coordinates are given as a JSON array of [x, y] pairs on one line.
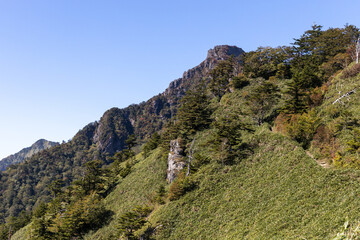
[[279, 192], [145, 118], [26, 153], [27, 184], [265, 146]]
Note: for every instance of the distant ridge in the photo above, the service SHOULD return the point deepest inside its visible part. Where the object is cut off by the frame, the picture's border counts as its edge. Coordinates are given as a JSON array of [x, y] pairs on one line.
[[26, 153]]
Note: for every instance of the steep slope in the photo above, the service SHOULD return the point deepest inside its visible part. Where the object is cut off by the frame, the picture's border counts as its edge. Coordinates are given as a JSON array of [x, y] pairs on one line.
[[148, 117], [242, 157], [26, 185], [277, 193], [136, 189], [336, 141], [26, 153]]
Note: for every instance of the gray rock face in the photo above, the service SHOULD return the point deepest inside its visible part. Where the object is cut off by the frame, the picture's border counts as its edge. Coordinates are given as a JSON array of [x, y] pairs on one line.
[[222, 52], [116, 124], [113, 129], [175, 160], [194, 75]]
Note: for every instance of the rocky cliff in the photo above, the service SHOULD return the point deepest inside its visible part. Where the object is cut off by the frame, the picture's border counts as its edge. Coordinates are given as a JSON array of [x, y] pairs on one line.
[[145, 118], [175, 160]]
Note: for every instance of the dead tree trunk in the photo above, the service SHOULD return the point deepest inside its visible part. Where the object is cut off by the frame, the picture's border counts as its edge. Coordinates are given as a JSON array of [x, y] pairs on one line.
[[191, 150], [345, 95], [357, 50], [10, 233]]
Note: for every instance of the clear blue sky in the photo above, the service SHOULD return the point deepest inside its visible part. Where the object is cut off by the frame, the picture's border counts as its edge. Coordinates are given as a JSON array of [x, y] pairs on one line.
[[64, 62]]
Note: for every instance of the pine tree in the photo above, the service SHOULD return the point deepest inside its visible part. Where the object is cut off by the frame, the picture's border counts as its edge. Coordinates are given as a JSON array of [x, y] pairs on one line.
[[295, 92], [194, 113], [227, 142], [220, 77], [151, 144], [130, 142], [131, 221], [263, 99]]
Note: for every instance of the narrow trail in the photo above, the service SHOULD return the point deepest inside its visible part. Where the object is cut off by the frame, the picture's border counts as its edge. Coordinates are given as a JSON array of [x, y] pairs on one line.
[[321, 163]]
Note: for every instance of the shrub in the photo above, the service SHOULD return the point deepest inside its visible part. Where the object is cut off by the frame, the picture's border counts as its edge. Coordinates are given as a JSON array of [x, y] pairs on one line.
[[158, 196], [351, 71], [180, 186], [239, 82], [302, 127], [325, 142], [316, 97]]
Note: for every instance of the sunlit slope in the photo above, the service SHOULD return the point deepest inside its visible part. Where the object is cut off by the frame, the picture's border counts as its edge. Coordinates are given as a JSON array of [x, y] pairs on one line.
[[278, 193], [135, 189]]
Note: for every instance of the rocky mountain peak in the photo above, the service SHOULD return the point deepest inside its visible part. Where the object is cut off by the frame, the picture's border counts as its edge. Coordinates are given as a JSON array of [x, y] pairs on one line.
[[117, 124], [222, 52], [194, 75]]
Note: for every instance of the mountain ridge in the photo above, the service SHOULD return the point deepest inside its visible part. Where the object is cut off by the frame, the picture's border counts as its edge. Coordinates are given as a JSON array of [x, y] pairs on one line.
[[161, 107], [97, 140], [27, 152]]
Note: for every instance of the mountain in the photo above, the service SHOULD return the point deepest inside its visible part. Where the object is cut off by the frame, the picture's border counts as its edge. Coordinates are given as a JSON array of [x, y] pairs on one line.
[[265, 146], [148, 117], [26, 153], [26, 185]]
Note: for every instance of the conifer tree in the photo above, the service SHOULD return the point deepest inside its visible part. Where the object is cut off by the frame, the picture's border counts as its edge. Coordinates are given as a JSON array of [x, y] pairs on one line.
[[227, 141], [131, 221], [194, 113], [262, 99], [295, 92], [152, 143], [220, 77]]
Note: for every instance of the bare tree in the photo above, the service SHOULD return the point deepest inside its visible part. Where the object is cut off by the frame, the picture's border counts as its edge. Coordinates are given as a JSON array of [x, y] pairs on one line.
[[191, 151], [357, 50]]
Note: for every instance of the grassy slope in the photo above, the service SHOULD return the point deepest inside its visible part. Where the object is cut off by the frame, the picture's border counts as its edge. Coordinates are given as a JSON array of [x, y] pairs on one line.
[[21, 234], [146, 177], [332, 115], [278, 193]]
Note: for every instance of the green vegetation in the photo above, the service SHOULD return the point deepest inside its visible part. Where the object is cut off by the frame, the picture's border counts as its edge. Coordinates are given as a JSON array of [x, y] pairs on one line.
[[254, 141], [277, 193], [132, 221], [25, 153]]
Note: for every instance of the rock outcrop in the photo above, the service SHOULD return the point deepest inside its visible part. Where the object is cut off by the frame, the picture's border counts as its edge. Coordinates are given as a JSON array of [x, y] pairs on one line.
[[194, 75], [175, 160], [145, 118]]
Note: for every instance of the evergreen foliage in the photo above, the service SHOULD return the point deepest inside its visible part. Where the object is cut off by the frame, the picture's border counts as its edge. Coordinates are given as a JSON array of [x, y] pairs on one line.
[[296, 97], [194, 113], [221, 76], [132, 221], [262, 100], [151, 144], [266, 62]]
